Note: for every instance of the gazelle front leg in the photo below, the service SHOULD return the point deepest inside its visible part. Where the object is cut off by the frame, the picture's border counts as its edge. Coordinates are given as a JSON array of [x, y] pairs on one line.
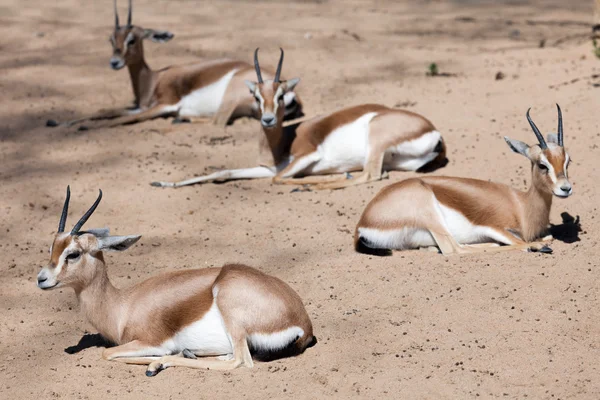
[[134, 352], [310, 180], [241, 356], [102, 114], [494, 248], [225, 175], [151, 113], [372, 171]]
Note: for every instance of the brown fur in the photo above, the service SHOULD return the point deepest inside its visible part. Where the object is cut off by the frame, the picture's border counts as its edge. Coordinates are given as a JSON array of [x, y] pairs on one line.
[[155, 90], [522, 216], [159, 307], [60, 244]]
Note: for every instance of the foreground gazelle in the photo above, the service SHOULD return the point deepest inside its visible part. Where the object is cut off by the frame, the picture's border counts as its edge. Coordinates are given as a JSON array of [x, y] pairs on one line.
[[211, 89], [230, 312], [453, 213], [369, 137]]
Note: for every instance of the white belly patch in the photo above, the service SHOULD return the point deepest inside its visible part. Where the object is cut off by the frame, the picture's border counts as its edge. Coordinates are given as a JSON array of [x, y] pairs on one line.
[[464, 232], [206, 336], [413, 154], [345, 149], [207, 100]]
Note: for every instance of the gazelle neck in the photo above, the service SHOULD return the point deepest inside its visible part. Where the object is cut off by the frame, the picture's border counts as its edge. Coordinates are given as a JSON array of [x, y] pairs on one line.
[[538, 203], [142, 81], [100, 302], [276, 142]]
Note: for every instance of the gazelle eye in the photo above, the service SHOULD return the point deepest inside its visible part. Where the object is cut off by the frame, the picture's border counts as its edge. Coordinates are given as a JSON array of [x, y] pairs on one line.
[[131, 41], [73, 256], [543, 168]]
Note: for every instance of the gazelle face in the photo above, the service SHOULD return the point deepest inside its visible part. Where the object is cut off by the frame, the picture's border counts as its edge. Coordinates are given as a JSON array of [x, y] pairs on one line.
[[127, 44], [71, 262], [550, 166], [272, 99], [76, 257], [549, 159]]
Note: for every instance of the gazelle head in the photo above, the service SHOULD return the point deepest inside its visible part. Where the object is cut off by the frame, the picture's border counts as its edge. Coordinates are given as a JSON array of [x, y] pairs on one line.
[[127, 41], [76, 257], [549, 159], [274, 98]]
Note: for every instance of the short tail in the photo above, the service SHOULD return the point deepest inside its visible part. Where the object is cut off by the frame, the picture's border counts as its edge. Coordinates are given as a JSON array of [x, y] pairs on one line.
[[294, 348], [439, 161], [364, 246]]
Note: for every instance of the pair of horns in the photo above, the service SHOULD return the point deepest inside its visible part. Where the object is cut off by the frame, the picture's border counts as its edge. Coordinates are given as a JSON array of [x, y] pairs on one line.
[[257, 66], [83, 220], [117, 15], [539, 135]]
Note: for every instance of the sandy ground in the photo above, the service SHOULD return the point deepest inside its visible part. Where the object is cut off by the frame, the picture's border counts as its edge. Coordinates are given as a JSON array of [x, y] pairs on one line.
[[415, 325]]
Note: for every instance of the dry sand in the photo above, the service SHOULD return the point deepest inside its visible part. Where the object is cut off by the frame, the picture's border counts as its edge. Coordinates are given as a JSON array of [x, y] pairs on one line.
[[415, 325]]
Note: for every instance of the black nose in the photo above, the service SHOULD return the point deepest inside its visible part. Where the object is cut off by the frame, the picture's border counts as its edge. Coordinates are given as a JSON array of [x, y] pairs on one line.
[[41, 280], [565, 188], [267, 119], [114, 63]]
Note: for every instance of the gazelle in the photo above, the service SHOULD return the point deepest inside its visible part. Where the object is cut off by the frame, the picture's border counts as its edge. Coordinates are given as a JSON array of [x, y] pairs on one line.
[[231, 312], [368, 137], [454, 214], [210, 89]]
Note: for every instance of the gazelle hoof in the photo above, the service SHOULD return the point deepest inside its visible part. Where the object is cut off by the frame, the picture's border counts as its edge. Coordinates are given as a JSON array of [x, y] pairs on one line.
[[180, 120], [544, 250], [154, 369], [162, 184], [188, 354]]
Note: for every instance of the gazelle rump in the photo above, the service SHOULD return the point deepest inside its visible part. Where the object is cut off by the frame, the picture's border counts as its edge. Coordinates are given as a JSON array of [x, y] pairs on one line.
[[370, 138], [454, 214], [234, 312], [213, 89]]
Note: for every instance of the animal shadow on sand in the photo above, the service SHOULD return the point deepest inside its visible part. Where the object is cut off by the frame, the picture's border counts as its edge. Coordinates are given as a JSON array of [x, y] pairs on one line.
[[89, 340], [568, 231]]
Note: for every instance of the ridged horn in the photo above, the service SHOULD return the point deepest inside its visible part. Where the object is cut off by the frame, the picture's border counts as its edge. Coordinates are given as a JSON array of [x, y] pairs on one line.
[[63, 216], [537, 132], [87, 215]]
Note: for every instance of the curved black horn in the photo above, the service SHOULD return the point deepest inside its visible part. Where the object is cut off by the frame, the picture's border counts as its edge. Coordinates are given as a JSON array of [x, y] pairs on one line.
[[279, 65], [560, 127], [539, 136], [257, 66], [87, 215], [63, 216], [129, 14], [116, 16]]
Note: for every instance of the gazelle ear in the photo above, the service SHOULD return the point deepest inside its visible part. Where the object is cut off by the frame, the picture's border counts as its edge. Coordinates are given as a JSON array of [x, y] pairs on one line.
[[99, 232], [117, 243], [290, 84], [251, 86], [158, 36], [517, 146], [553, 138]]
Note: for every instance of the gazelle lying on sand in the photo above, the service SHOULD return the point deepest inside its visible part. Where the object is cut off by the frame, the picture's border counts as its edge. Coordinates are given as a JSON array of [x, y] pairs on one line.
[[368, 137], [210, 89], [228, 312], [452, 213]]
